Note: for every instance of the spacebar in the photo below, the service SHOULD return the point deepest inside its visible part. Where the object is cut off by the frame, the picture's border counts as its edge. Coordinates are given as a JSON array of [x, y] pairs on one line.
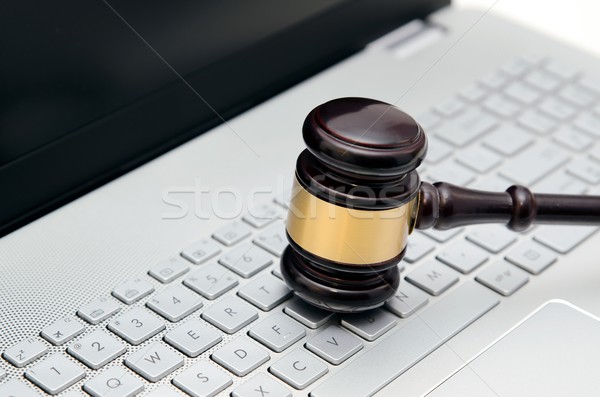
[[408, 345]]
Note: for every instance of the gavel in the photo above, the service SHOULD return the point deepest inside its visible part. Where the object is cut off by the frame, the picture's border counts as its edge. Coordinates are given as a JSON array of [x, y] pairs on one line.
[[357, 197]]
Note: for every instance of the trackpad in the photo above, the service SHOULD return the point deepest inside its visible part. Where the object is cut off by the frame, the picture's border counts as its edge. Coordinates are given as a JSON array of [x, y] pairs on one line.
[[555, 352]]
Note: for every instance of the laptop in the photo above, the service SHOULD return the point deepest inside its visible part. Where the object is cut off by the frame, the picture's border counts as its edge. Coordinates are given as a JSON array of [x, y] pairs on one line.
[[146, 157]]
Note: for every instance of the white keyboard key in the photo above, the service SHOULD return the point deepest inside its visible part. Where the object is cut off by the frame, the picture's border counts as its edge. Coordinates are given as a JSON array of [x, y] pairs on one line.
[[451, 172], [261, 385], [164, 391], [299, 369], [473, 93], [563, 238], [201, 251], [154, 362], [265, 292], [417, 247], [493, 238], [463, 256], [17, 388], [175, 303], [543, 81], [334, 345], [586, 170], [193, 338], [136, 326], [478, 158], [466, 127], [211, 281], [590, 83], [441, 236], [572, 139], [428, 120], [433, 277], [494, 79], [560, 183], [491, 183], [25, 352], [273, 240], [503, 278], [202, 380], [62, 330], [407, 300], [246, 260], [563, 71], [588, 123], [557, 109], [516, 67], [97, 349], [369, 325], [306, 314], [533, 163], [232, 233], [55, 374], [262, 215], [169, 269], [132, 291], [450, 107], [508, 139], [576, 96], [241, 356], [536, 122], [230, 314], [98, 310], [277, 332], [501, 106], [114, 382], [437, 151], [532, 257], [522, 93]]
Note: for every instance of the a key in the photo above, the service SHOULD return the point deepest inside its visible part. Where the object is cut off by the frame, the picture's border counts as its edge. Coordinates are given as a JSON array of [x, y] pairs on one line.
[[407, 300], [99, 310], [407, 345], [154, 362], [169, 269], [334, 345], [572, 139], [437, 151], [241, 356], [590, 83], [532, 257], [493, 238], [466, 127], [261, 216], [272, 240], [211, 281], [561, 70], [277, 332], [175, 303], [433, 277], [55, 374], [442, 236], [246, 260], [472, 93], [62, 330], [491, 183], [202, 380], [132, 291], [201, 251], [369, 325], [25, 352], [503, 278], [535, 121], [428, 120], [96, 349], [522, 93], [560, 182], [193, 338], [417, 247], [299, 369], [230, 314], [563, 238], [576, 96], [501, 106], [310, 316], [516, 67], [232, 233], [508, 140], [462, 256], [261, 385], [265, 292], [533, 163], [478, 158], [164, 391], [494, 79], [543, 81], [114, 382], [588, 123], [450, 107], [586, 170], [557, 109], [452, 172], [136, 326], [17, 388]]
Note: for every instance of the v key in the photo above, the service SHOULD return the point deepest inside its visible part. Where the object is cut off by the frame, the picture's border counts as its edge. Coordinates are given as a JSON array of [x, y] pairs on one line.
[[332, 341], [334, 344]]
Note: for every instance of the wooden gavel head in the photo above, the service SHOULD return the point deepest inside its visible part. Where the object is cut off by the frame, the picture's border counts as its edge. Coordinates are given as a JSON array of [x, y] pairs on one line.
[[354, 203]]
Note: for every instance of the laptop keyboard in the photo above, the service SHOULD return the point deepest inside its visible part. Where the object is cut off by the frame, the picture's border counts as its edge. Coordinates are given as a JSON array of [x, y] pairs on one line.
[[216, 318]]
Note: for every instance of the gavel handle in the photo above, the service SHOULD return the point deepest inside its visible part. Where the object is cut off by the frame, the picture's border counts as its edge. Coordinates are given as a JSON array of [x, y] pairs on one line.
[[445, 206]]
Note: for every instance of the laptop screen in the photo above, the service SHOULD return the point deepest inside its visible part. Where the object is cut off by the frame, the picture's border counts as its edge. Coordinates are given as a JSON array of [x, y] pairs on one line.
[[93, 89]]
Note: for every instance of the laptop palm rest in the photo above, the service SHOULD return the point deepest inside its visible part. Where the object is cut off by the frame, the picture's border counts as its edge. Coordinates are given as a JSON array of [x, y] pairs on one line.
[[554, 352]]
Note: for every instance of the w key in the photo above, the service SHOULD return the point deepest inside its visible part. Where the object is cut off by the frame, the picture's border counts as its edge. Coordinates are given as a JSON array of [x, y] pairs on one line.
[[154, 362]]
